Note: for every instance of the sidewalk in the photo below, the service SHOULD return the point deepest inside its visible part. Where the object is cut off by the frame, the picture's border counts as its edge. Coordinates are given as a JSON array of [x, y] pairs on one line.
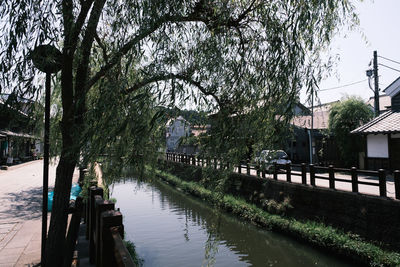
[[21, 213]]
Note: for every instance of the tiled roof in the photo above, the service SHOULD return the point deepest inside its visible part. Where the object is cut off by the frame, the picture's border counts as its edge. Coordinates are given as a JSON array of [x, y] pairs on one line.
[[321, 119], [388, 122]]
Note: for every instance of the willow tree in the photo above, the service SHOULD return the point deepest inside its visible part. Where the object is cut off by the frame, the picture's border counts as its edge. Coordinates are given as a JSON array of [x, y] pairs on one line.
[[233, 55]]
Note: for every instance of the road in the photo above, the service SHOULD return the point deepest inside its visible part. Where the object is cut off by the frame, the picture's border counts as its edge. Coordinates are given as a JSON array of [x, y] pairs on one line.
[[20, 213]]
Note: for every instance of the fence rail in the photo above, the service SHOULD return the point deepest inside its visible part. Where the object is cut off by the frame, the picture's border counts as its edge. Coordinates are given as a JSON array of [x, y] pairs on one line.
[[105, 232], [309, 173]]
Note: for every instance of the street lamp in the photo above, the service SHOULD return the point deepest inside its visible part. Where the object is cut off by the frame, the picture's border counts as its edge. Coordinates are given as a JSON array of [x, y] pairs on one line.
[[47, 59]]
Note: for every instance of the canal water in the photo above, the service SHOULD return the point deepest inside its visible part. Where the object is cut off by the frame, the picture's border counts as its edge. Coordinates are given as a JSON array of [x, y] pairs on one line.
[[170, 228]]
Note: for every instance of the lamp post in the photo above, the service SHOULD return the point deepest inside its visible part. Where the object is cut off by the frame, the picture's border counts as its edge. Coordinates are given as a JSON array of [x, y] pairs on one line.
[[47, 59]]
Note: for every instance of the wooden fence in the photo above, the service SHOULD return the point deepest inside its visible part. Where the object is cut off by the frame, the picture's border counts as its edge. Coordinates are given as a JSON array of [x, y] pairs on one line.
[[307, 172], [75, 208], [105, 232]]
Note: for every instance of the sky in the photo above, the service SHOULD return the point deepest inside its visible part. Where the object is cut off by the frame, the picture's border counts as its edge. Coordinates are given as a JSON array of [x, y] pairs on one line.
[[379, 30]]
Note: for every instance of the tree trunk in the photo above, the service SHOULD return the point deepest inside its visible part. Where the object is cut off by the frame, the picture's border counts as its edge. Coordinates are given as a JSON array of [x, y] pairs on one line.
[[65, 169], [59, 215]]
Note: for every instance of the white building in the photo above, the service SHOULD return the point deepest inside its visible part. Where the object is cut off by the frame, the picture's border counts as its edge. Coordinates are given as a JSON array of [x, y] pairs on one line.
[[383, 134], [176, 128]]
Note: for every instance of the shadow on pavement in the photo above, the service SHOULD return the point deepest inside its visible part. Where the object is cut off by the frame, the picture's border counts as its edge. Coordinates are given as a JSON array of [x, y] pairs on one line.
[[24, 205]]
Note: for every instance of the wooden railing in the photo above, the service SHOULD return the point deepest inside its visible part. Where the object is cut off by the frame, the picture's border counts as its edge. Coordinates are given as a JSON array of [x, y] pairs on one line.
[[309, 173], [75, 208], [105, 232]]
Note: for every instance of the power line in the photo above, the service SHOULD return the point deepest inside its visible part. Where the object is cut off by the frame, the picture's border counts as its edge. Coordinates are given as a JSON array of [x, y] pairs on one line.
[[389, 67], [341, 86], [394, 61]]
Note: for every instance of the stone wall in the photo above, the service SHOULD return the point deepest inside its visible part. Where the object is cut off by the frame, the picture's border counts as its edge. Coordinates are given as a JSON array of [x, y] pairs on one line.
[[372, 217]]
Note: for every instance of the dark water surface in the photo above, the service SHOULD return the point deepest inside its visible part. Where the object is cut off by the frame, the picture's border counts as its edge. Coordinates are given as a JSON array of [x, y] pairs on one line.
[[170, 228]]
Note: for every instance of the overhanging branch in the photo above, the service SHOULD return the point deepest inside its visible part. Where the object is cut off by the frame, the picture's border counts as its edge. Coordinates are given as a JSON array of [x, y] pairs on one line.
[[168, 76]]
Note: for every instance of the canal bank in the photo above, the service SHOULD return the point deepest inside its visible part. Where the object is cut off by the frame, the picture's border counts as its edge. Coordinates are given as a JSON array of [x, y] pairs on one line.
[[330, 239], [172, 228]]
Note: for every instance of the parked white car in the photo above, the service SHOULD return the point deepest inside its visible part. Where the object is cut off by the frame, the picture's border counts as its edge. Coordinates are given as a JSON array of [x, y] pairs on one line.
[[269, 157]]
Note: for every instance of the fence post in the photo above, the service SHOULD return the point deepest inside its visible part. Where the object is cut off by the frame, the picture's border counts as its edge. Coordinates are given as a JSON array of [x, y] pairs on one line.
[[396, 176], [87, 208], [288, 173], [73, 229], [354, 180], [247, 167], [263, 170], [109, 219], [240, 167], [215, 163], [303, 173], [382, 182], [101, 206], [312, 174], [94, 191], [275, 171], [331, 177], [193, 160]]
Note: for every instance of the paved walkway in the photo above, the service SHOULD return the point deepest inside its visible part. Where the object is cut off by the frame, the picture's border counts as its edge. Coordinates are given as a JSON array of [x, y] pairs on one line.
[[20, 213]]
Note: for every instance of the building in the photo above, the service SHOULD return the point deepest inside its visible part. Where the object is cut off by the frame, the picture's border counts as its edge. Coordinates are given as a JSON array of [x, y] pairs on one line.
[[17, 143], [324, 149], [175, 130], [382, 134]]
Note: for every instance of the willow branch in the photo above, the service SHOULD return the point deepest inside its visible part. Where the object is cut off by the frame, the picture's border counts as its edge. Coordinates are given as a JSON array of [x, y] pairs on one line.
[[169, 76]]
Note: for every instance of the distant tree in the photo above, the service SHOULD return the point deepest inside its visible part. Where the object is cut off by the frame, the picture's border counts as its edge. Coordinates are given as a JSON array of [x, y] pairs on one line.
[[122, 58], [344, 117]]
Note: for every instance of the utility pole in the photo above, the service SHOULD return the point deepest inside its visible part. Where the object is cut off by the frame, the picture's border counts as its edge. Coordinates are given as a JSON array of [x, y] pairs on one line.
[[376, 84], [310, 136]]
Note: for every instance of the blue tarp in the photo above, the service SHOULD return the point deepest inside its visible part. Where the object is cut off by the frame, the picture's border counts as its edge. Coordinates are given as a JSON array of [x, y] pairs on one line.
[[75, 191]]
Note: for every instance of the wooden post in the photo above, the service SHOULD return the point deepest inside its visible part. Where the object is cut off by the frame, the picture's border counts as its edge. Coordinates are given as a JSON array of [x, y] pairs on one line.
[[215, 163], [288, 173], [312, 174], [240, 167], [94, 191], [101, 206], [382, 182], [247, 168], [303, 173], [73, 230], [396, 176], [122, 256], [109, 219], [331, 177], [275, 171], [263, 170], [354, 180]]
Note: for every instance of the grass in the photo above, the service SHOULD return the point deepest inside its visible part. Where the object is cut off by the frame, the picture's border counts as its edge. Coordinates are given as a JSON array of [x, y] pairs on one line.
[[318, 234], [132, 251]]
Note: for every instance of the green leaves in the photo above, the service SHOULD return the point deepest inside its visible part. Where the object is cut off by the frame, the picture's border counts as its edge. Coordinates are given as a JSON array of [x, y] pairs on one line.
[[344, 117]]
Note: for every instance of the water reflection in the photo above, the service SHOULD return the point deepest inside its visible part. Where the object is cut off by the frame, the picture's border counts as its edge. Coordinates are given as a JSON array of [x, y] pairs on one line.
[[170, 228]]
